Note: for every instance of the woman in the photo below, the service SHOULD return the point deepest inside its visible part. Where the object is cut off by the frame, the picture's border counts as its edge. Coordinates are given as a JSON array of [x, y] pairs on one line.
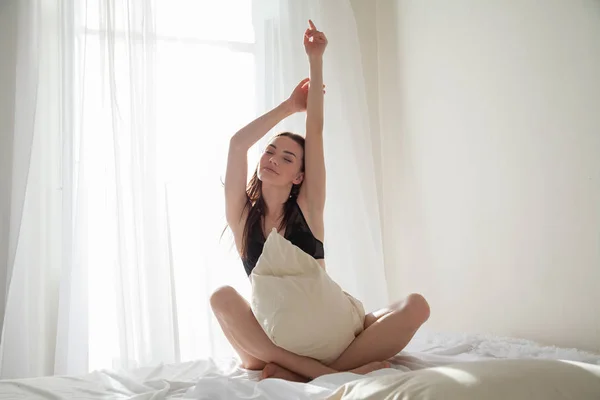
[[287, 192]]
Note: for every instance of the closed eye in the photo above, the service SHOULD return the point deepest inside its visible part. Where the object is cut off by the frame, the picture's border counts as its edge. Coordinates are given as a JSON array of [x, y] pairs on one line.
[[287, 160]]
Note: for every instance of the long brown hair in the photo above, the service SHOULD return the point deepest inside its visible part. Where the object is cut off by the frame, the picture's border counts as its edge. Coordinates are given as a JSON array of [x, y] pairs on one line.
[[256, 206]]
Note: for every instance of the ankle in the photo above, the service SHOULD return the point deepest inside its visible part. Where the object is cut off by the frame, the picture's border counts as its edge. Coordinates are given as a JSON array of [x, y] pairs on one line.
[[276, 355]]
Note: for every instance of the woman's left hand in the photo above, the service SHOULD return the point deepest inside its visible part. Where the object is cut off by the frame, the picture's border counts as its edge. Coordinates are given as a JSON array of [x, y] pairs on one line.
[[315, 41]]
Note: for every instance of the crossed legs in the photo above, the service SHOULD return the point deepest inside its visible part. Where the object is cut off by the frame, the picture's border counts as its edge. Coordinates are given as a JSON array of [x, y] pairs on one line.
[[386, 333]]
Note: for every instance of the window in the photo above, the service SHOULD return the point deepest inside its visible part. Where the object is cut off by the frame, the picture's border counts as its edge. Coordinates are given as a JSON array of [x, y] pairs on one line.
[[181, 72]]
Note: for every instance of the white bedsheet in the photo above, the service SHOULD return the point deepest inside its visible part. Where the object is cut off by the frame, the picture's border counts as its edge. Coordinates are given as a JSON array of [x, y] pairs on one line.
[[214, 380], [465, 347]]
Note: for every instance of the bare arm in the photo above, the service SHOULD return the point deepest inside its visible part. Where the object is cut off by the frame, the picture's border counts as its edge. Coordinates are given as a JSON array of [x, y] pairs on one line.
[[313, 189], [237, 160], [236, 175]]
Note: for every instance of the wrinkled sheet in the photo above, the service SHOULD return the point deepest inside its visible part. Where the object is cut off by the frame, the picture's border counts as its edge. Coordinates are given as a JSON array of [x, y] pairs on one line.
[[224, 379]]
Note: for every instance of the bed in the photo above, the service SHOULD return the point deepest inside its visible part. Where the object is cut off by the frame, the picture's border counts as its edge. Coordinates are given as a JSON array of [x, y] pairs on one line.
[[224, 379]]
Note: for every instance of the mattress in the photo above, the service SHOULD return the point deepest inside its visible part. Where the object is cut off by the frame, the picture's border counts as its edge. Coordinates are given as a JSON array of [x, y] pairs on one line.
[[224, 379]]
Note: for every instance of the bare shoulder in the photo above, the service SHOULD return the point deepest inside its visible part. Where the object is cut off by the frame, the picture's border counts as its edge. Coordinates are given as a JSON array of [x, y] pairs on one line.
[[314, 218]]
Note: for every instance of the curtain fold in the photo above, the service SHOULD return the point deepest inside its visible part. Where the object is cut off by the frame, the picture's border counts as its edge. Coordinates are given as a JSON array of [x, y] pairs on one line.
[[353, 238], [35, 240], [20, 140]]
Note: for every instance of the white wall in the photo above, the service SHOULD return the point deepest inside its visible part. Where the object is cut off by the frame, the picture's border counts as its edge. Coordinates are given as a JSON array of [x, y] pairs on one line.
[[490, 133], [8, 57]]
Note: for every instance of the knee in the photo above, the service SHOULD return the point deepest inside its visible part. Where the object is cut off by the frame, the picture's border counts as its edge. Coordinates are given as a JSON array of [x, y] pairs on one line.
[[418, 308], [222, 298]]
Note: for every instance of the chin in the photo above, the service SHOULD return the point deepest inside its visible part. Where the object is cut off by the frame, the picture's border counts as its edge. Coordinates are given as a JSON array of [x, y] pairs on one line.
[[266, 177]]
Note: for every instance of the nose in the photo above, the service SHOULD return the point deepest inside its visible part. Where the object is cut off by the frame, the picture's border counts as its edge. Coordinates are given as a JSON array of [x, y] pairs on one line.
[[273, 161]]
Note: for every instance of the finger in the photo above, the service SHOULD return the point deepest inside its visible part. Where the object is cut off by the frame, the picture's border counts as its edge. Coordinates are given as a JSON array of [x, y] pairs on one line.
[[303, 82], [307, 35], [312, 25]]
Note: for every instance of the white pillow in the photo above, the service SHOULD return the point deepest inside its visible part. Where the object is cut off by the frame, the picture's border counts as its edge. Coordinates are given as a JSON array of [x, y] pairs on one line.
[[299, 306], [524, 379]]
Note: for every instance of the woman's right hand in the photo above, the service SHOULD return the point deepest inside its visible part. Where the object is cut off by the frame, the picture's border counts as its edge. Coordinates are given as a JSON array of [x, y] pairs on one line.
[[299, 97]]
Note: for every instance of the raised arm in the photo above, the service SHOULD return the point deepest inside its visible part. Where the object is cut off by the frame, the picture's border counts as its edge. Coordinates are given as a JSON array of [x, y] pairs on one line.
[[313, 189], [236, 176]]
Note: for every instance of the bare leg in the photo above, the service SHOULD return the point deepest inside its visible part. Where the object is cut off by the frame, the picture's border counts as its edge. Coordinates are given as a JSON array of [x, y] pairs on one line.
[[256, 349], [249, 339], [386, 333], [248, 361], [273, 370]]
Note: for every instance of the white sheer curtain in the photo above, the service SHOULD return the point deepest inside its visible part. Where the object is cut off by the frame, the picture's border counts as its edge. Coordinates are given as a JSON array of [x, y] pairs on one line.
[[165, 83], [353, 243], [128, 109], [35, 241], [123, 113]]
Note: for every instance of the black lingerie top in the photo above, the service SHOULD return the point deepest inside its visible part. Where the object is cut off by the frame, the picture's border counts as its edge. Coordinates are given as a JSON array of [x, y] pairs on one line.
[[296, 231]]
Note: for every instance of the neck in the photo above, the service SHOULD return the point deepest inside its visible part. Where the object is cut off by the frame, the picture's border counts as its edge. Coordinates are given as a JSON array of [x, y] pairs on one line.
[[275, 197]]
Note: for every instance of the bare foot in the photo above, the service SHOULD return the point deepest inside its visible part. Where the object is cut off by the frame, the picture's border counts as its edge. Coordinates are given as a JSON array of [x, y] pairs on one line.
[[370, 367], [272, 370]]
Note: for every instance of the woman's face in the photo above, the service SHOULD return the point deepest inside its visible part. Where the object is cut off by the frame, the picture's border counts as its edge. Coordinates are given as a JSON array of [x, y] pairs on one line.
[[281, 162]]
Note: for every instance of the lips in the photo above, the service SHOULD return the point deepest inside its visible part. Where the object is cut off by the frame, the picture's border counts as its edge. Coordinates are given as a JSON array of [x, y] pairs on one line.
[[270, 170]]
